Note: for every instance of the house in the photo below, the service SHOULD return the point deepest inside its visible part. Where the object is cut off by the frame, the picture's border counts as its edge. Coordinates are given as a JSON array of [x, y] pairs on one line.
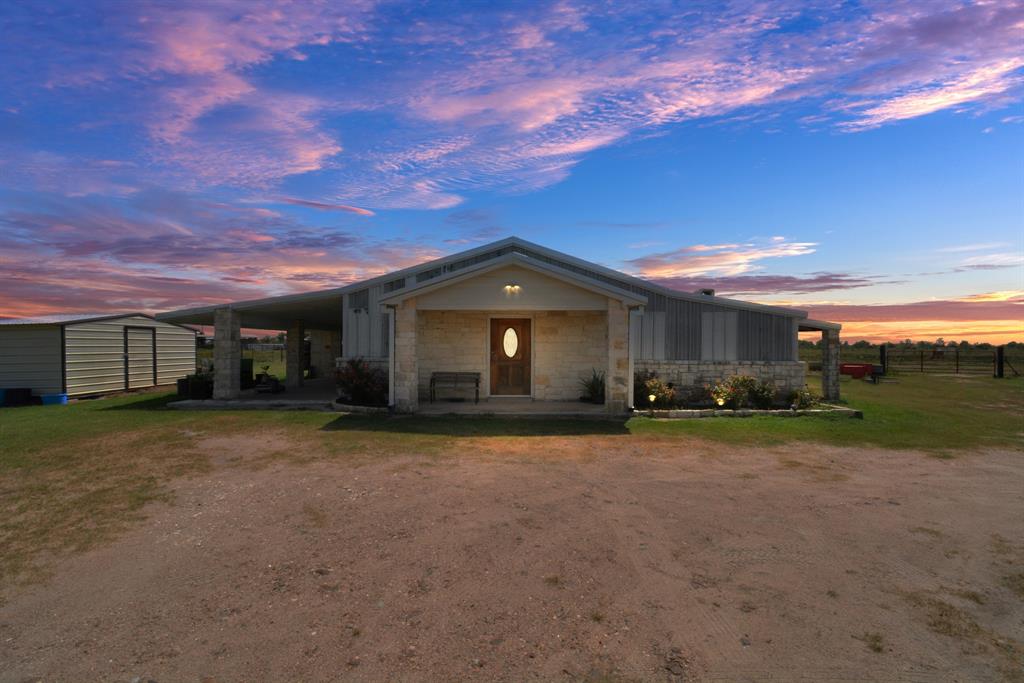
[[81, 354], [530, 320]]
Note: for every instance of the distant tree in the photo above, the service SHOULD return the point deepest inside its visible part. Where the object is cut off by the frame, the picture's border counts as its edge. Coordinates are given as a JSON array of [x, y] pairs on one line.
[[862, 344]]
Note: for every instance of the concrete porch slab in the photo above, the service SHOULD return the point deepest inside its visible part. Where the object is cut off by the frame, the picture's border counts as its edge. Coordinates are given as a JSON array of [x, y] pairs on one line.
[[514, 407]]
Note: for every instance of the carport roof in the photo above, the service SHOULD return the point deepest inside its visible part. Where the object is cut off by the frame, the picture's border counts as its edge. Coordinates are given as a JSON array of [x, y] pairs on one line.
[[317, 310]]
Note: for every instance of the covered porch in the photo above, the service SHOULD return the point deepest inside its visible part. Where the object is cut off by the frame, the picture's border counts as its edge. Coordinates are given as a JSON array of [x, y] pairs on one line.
[[316, 316], [527, 332]]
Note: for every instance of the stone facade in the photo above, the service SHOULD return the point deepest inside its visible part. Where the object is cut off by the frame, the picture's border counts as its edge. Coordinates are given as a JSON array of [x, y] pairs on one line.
[[406, 374], [453, 341], [227, 353], [567, 346], [617, 377], [293, 355], [324, 349], [787, 375]]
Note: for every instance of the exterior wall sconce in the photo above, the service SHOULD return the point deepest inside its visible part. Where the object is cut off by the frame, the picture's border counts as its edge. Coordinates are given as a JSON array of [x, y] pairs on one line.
[[512, 288]]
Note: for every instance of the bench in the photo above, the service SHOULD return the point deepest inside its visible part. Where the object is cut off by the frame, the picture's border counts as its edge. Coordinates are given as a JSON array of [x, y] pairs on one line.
[[454, 380]]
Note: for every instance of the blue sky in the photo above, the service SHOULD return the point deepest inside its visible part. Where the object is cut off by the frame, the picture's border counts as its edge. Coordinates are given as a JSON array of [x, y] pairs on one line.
[[862, 160]]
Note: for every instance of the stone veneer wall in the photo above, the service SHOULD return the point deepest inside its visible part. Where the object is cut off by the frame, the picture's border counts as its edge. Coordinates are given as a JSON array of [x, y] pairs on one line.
[[787, 375], [567, 346]]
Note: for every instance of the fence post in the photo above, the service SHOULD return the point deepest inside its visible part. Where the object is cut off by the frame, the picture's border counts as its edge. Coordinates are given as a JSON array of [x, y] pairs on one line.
[[922, 360], [957, 372], [883, 358], [1000, 361]]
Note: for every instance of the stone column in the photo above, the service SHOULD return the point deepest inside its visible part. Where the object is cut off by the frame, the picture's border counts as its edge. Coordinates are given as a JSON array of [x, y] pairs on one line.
[[227, 353], [616, 379], [830, 365], [293, 355], [406, 368]]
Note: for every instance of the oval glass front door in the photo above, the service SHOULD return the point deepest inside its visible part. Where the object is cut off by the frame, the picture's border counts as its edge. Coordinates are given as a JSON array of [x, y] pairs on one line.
[[510, 342]]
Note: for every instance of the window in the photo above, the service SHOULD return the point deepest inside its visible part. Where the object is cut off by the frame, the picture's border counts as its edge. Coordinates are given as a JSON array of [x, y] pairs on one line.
[[718, 335], [510, 342]]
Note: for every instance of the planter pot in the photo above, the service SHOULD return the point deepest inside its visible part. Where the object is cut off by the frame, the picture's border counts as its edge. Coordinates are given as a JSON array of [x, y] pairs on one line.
[[200, 389]]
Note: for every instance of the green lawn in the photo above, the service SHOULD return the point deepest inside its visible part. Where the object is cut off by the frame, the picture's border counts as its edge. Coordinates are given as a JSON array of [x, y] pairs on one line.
[[71, 476], [938, 414]]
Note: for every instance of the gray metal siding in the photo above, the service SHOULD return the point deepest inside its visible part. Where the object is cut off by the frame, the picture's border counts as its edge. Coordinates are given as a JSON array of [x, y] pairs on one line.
[[30, 358], [94, 354]]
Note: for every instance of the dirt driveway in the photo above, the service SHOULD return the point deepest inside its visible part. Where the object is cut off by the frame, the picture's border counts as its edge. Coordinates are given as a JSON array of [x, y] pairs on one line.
[[597, 558]]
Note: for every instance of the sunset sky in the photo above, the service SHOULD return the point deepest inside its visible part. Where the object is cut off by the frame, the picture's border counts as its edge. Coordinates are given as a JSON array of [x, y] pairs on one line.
[[860, 160]]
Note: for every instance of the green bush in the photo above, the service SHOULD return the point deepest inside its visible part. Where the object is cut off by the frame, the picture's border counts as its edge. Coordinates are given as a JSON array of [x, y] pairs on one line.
[[593, 387], [800, 399], [361, 384], [762, 395]]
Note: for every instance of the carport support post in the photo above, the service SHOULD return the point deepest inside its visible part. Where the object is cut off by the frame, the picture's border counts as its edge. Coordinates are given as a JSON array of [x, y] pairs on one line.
[[227, 353], [830, 365], [295, 343]]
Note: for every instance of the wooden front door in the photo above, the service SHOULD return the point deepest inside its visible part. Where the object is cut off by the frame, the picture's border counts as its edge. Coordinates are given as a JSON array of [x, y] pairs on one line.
[[510, 357]]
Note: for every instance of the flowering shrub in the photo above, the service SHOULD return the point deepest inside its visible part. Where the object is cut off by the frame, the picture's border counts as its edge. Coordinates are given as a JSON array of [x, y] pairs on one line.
[[361, 384], [802, 398], [664, 394], [741, 391]]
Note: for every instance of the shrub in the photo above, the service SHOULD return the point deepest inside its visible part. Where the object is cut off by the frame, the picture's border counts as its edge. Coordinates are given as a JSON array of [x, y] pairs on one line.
[[733, 392], [664, 394], [593, 387], [640, 392], [361, 384], [762, 395], [800, 399], [697, 396]]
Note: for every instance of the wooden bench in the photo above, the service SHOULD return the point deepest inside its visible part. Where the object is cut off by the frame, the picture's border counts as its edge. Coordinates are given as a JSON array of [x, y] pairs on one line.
[[454, 380]]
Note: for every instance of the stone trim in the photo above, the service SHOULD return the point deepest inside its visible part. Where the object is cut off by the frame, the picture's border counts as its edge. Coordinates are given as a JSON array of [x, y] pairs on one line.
[[709, 412]]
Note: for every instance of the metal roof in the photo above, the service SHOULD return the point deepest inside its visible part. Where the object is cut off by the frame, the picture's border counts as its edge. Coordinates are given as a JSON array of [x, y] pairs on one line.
[[63, 318]]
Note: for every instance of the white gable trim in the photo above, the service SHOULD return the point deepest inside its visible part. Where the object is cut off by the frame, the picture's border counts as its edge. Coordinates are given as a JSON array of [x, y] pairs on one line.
[[521, 260]]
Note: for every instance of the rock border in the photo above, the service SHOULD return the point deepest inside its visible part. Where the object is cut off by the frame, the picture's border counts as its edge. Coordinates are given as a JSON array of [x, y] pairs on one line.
[[679, 414]]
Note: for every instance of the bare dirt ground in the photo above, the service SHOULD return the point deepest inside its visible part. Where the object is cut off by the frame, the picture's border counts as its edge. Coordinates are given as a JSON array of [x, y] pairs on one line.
[[582, 558]]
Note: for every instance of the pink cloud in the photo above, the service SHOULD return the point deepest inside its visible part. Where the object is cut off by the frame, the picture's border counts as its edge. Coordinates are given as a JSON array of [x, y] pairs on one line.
[[770, 284], [323, 206], [722, 259]]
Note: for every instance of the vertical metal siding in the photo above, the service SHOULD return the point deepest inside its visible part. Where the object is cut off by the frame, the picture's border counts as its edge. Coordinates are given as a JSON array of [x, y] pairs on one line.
[[94, 354], [30, 358]]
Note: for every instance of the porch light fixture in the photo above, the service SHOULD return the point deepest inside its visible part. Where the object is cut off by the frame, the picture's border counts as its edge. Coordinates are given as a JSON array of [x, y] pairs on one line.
[[512, 288]]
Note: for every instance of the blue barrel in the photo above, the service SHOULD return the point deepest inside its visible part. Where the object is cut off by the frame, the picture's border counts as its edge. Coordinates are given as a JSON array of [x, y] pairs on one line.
[[55, 399]]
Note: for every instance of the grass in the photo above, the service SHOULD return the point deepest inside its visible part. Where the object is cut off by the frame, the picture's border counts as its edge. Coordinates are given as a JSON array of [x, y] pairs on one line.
[[935, 414], [71, 477]]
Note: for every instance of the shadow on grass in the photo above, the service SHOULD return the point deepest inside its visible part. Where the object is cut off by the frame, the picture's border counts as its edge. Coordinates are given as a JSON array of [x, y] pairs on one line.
[[158, 402], [477, 425]]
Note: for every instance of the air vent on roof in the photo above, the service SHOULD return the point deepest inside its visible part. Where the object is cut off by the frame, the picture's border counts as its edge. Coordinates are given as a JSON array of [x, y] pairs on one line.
[[706, 292]]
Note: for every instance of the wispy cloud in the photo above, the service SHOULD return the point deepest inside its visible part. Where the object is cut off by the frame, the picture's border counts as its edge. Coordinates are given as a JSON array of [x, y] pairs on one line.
[[501, 101], [772, 284], [323, 206], [715, 259]]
